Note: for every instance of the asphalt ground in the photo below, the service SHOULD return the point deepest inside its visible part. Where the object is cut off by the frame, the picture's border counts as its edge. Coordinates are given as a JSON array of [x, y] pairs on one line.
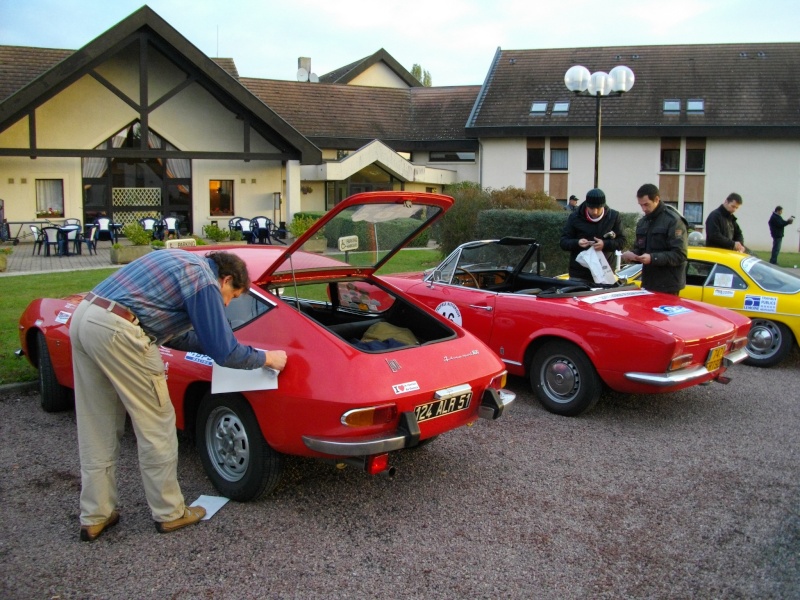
[[686, 495]]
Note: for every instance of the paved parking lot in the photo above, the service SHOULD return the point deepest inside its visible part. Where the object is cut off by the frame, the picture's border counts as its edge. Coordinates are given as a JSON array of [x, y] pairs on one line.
[[685, 495]]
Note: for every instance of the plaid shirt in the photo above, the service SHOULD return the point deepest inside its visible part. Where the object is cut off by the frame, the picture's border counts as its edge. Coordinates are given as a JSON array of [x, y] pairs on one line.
[[173, 291]]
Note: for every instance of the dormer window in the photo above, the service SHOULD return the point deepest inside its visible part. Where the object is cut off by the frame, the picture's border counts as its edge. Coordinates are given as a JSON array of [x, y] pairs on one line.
[[672, 107], [539, 107], [695, 106]]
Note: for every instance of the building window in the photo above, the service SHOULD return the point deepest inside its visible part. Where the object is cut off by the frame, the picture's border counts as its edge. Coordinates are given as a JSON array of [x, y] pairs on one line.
[[559, 159], [693, 211], [539, 107], [696, 160], [220, 193], [671, 203], [670, 159], [672, 107], [535, 159], [340, 154], [49, 198], [695, 106], [561, 108], [452, 156]]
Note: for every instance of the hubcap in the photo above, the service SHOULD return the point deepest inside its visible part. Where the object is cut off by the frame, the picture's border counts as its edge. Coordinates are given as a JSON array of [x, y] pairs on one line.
[[561, 380], [763, 340], [227, 444]]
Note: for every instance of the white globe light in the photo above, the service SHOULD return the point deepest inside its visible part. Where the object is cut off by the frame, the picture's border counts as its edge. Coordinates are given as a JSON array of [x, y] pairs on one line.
[[577, 78], [622, 79], [600, 84]]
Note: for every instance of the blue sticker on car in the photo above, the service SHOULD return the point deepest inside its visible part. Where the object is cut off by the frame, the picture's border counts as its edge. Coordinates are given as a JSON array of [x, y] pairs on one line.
[[672, 310]]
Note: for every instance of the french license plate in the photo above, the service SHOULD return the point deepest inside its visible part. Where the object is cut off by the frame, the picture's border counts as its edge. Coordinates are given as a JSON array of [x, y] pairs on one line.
[[447, 402], [714, 360]]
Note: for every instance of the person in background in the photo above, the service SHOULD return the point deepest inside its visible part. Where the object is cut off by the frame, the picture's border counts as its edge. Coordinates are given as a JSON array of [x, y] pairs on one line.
[[169, 297], [572, 203], [661, 243], [776, 226], [722, 230], [592, 225]]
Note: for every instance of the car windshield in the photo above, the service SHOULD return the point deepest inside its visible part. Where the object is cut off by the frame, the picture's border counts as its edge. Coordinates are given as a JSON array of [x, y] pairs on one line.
[[478, 257], [771, 278]]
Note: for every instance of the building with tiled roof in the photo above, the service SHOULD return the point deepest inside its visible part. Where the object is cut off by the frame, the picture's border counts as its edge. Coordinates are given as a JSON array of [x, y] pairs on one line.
[[700, 121]]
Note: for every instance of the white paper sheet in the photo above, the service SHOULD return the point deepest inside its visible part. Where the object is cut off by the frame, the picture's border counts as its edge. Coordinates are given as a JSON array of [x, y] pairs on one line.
[[225, 380], [211, 503]]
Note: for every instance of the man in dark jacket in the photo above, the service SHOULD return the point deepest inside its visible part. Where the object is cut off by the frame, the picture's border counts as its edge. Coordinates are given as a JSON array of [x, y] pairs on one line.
[[661, 243], [592, 225], [776, 226], [722, 230]]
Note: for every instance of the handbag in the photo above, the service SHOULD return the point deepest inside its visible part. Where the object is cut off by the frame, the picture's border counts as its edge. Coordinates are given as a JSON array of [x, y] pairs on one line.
[[596, 262]]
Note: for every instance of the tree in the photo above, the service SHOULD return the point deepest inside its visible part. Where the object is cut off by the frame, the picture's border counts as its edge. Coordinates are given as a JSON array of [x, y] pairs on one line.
[[424, 77]]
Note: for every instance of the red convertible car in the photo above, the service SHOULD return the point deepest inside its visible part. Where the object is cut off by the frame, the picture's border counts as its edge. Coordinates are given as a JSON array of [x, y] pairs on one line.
[[370, 371], [570, 338]]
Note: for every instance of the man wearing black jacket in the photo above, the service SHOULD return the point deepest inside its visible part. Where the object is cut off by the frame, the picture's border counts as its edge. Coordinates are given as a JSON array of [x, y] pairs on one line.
[[661, 243], [592, 225], [776, 226], [722, 230]]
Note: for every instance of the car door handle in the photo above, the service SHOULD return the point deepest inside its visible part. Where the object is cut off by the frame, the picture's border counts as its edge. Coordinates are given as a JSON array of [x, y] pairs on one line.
[[482, 307]]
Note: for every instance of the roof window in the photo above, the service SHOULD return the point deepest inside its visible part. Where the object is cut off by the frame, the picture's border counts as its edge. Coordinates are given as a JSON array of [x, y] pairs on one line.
[[695, 106], [672, 107], [561, 107], [539, 107]]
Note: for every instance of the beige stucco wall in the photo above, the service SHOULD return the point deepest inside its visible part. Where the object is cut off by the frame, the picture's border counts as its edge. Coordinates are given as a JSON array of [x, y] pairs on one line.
[[379, 75]]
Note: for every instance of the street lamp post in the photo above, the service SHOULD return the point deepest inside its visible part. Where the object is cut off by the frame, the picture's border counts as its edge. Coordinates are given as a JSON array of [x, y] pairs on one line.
[[615, 83]]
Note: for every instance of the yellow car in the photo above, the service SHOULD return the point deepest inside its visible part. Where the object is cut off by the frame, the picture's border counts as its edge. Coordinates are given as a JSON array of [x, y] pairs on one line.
[[768, 294]]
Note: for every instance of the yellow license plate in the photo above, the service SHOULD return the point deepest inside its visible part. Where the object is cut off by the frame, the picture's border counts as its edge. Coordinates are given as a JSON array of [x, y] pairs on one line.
[[714, 360]]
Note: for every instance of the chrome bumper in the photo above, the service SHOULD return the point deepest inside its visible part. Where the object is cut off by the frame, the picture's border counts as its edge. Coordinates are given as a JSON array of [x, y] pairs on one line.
[[684, 375], [493, 404]]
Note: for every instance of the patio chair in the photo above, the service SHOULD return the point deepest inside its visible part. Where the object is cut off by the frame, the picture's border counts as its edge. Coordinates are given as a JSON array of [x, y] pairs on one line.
[[50, 238], [72, 221], [104, 229], [260, 227], [38, 239], [171, 227], [149, 225], [247, 231], [90, 239]]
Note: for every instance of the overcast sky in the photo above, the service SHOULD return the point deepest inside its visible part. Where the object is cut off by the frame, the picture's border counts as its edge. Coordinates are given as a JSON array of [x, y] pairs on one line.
[[454, 40]]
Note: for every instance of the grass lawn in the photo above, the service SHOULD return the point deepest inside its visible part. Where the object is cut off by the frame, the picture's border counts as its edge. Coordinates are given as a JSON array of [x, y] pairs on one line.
[[18, 291]]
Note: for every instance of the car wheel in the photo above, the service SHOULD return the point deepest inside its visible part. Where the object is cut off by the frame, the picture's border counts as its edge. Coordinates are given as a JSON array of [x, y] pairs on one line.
[[768, 343], [235, 456], [564, 379], [54, 397]]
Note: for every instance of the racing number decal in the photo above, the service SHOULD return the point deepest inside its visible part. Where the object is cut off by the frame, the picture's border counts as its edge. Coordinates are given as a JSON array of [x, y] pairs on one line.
[[450, 311]]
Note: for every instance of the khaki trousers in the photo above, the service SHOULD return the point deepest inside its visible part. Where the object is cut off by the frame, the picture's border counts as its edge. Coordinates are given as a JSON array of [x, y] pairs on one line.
[[118, 369]]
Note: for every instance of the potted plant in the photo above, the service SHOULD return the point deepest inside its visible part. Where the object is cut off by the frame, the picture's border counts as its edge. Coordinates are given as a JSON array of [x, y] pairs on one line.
[[140, 245], [215, 234], [4, 252], [300, 224]]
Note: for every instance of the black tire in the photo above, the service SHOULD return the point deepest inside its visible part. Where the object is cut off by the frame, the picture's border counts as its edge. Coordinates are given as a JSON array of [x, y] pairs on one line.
[[564, 379], [54, 397], [768, 343], [235, 456]]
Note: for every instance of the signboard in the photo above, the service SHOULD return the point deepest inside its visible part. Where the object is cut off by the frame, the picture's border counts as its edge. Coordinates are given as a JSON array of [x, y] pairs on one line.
[[348, 242], [180, 243]]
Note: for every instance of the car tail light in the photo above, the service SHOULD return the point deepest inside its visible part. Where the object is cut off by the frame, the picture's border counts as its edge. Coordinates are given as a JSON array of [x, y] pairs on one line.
[[498, 382], [372, 415], [680, 362], [377, 464], [738, 344]]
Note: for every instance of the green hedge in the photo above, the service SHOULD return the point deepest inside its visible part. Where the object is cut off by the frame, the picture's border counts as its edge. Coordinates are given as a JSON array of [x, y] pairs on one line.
[[544, 226]]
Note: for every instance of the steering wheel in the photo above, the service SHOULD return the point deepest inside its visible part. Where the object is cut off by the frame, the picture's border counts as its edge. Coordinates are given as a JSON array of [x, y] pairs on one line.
[[471, 276]]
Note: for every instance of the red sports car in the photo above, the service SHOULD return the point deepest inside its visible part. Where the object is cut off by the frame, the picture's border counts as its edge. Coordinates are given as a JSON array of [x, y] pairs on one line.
[[570, 338], [370, 371]]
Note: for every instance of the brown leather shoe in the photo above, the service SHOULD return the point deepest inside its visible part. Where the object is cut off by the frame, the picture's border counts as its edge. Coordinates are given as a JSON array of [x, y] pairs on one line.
[[90, 533], [191, 515]]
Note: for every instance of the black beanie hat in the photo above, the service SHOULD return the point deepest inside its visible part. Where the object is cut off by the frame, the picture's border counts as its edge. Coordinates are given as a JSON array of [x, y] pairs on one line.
[[595, 197]]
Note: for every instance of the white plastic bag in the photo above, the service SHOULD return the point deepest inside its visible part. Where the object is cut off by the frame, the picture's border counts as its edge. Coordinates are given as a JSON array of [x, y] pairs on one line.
[[596, 262]]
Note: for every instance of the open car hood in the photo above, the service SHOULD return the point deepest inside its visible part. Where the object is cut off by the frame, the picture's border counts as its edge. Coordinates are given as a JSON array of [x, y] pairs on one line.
[[362, 233]]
